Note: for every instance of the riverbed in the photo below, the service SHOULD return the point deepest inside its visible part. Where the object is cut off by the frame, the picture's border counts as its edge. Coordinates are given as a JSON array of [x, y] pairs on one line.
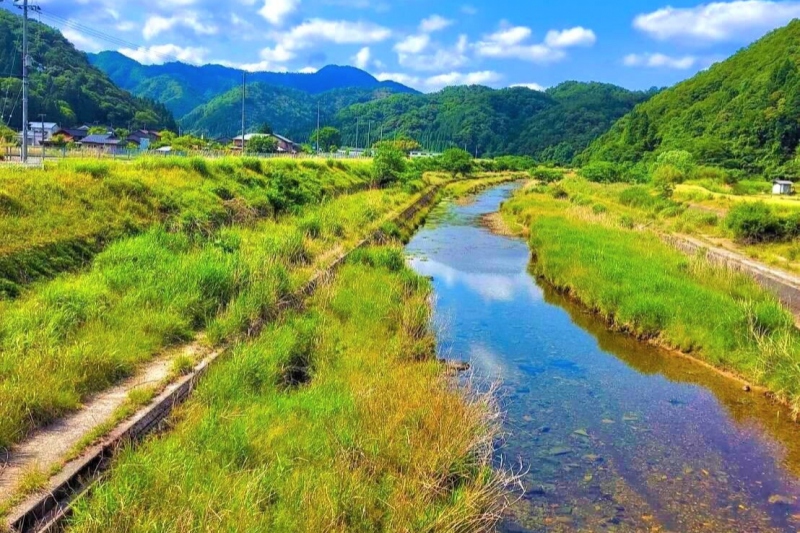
[[610, 434]]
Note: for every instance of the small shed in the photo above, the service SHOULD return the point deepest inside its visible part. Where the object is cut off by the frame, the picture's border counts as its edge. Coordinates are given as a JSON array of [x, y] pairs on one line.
[[782, 187]]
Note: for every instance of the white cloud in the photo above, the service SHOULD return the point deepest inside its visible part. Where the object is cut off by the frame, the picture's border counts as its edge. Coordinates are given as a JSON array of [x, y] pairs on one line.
[[81, 41], [157, 25], [660, 61], [405, 79], [514, 42], [458, 78], [361, 59], [718, 21], [434, 23], [276, 11], [577, 36], [166, 52], [413, 44], [531, 86], [438, 59], [307, 70], [314, 31]]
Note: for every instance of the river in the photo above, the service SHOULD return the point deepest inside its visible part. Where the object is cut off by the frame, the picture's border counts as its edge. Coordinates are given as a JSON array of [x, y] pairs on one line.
[[611, 434]]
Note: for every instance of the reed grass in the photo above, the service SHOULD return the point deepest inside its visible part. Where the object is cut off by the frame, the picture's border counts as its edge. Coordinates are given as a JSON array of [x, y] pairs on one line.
[[642, 285], [330, 420], [78, 334]]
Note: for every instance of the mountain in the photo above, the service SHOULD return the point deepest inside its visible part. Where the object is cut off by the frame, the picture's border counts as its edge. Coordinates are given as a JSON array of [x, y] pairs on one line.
[[740, 113], [183, 88], [552, 125], [64, 85], [290, 112]]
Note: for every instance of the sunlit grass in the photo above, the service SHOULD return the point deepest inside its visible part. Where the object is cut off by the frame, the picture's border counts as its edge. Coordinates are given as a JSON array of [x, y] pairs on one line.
[[334, 419], [642, 285]]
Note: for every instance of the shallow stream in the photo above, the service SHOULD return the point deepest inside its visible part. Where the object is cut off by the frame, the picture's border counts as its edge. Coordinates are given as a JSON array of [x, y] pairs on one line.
[[614, 435]]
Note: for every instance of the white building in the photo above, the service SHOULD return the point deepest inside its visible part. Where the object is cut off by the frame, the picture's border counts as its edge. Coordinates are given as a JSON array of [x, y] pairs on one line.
[[782, 187], [39, 132]]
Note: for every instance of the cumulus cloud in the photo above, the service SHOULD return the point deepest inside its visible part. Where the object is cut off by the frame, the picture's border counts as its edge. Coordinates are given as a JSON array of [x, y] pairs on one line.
[[434, 23], [531, 86], [166, 52], [660, 61], [276, 11], [81, 41], [362, 58], [439, 81], [156, 25], [514, 42], [317, 30], [718, 21], [413, 44], [577, 36]]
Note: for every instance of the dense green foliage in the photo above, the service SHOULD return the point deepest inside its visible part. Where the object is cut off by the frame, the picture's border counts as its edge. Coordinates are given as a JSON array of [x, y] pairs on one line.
[[289, 112], [64, 85], [741, 113], [389, 163], [183, 88], [758, 222], [327, 138], [262, 145], [551, 125]]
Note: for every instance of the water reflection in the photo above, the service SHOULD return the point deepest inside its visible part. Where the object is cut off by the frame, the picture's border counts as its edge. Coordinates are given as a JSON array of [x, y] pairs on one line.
[[617, 436]]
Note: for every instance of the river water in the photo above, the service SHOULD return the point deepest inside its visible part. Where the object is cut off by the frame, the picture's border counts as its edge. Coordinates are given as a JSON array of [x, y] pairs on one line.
[[612, 435]]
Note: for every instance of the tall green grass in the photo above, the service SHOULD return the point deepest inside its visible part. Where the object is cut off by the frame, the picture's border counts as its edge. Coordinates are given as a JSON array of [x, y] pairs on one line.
[[79, 333], [331, 420], [56, 219], [642, 285]]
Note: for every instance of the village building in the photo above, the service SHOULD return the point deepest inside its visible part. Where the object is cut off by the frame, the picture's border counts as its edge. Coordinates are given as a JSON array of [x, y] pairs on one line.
[[285, 145], [782, 187]]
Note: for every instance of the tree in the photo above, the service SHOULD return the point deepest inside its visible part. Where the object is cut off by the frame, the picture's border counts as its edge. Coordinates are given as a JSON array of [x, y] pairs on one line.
[[403, 144], [265, 128], [388, 165], [59, 141], [98, 130], [326, 138], [262, 144], [7, 135], [457, 161]]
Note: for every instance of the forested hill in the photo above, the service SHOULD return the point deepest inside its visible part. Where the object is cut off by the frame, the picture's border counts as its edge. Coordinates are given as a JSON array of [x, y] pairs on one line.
[[553, 125], [290, 112], [183, 88], [741, 113], [64, 86]]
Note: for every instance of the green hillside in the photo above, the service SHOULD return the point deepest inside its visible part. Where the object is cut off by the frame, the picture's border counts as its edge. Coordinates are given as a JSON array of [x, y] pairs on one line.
[[290, 112], [741, 113], [183, 88], [64, 86], [551, 125]]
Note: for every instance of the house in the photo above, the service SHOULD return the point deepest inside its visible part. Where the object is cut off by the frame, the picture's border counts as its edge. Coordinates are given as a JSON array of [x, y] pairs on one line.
[[284, 145], [43, 131], [106, 142], [139, 135], [782, 187], [72, 135]]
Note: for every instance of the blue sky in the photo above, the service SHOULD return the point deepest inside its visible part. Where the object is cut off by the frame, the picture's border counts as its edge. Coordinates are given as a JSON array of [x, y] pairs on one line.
[[430, 44]]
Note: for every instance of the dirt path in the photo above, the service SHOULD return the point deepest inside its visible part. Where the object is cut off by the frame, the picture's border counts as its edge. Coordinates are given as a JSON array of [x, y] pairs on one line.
[[48, 448]]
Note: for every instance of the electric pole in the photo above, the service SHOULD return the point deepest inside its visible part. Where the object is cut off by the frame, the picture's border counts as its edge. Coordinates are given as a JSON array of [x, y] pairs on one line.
[[317, 127], [244, 95], [41, 117], [357, 124]]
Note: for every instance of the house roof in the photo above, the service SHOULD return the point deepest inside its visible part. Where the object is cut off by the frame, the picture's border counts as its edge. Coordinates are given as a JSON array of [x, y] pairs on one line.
[[783, 182], [282, 138], [101, 139], [250, 136], [45, 125], [72, 132]]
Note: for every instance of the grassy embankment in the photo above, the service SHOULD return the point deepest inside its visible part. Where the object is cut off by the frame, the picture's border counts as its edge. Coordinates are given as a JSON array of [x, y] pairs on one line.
[[56, 219], [594, 242], [700, 208], [62, 340], [336, 418]]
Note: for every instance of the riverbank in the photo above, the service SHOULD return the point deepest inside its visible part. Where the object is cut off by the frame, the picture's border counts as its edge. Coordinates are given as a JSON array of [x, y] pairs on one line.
[[330, 420], [641, 285]]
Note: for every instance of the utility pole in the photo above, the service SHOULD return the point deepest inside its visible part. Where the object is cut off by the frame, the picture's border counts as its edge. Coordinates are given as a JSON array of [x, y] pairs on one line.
[[24, 81], [41, 117], [317, 127], [244, 95], [357, 124]]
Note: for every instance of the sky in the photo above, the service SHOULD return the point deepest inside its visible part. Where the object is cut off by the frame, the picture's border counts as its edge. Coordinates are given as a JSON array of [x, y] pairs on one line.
[[428, 44]]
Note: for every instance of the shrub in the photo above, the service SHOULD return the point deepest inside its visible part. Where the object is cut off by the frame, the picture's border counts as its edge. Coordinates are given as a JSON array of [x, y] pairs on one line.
[[95, 169], [682, 160], [558, 192], [456, 161], [664, 179], [547, 175], [755, 222], [603, 172], [388, 165]]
